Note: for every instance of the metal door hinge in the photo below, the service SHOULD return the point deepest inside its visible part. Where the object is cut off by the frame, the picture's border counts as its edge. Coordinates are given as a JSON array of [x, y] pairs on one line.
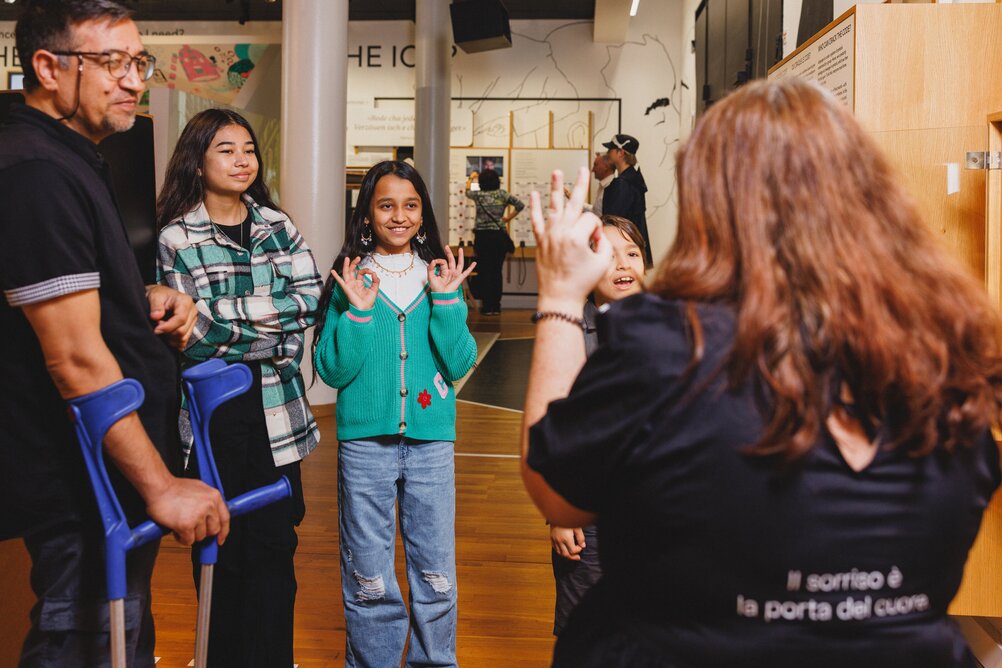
[[983, 160]]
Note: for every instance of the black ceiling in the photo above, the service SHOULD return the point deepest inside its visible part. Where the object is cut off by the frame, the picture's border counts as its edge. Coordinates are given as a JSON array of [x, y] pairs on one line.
[[358, 10]]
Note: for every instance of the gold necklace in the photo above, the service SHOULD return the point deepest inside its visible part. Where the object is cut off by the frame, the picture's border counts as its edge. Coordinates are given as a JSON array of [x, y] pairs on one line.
[[393, 272]]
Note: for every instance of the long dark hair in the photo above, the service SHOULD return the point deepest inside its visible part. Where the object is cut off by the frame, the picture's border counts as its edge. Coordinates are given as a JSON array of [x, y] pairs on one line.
[[184, 188], [431, 249], [833, 276]]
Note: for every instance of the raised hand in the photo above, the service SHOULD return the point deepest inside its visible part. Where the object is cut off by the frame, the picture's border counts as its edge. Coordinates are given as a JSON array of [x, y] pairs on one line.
[[360, 295], [447, 275], [572, 254]]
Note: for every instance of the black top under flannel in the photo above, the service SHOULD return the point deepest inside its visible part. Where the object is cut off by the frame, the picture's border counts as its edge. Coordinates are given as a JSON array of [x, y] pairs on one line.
[[62, 233]]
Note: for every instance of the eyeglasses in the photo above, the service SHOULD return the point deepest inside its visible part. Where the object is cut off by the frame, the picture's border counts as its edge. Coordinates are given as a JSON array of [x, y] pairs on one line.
[[119, 62]]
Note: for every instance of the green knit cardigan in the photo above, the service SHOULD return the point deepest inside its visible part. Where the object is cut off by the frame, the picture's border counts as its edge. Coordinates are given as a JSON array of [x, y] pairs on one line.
[[394, 368]]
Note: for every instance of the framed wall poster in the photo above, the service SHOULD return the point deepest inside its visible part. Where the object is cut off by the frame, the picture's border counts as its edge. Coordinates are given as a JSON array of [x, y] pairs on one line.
[[15, 80], [478, 163]]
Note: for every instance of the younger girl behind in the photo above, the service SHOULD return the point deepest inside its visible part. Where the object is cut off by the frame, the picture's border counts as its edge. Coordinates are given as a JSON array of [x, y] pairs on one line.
[[576, 566], [392, 339]]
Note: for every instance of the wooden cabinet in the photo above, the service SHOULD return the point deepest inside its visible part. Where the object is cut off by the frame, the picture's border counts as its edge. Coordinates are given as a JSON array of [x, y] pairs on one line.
[[926, 78]]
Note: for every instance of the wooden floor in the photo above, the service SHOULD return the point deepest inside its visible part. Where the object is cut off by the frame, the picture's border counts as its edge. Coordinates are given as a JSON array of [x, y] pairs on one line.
[[504, 578]]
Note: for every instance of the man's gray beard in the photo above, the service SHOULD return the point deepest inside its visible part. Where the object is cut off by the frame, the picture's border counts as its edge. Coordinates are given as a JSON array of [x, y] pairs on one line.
[[111, 126]]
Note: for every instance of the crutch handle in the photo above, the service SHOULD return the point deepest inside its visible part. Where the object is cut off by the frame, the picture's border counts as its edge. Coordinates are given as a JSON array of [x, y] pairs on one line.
[[208, 550], [146, 532], [241, 505], [260, 497]]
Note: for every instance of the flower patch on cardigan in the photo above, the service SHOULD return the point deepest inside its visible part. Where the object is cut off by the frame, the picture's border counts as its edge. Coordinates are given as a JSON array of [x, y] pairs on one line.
[[424, 399]]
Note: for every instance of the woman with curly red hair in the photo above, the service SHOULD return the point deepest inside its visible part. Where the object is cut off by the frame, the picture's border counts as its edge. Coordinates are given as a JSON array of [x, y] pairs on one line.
[[786, 442]]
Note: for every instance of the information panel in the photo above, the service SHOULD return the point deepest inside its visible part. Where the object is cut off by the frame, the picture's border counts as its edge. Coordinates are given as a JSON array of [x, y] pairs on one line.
[[829, 59], [530, 170]]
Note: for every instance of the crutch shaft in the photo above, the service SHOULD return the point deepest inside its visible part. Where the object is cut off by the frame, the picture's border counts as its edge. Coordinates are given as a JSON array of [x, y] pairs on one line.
[[116, 610], [204, 615]]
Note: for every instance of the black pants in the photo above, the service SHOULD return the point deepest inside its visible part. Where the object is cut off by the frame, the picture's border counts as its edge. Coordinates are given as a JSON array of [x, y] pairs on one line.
[[491, 248], [70, 624], [254, 583]]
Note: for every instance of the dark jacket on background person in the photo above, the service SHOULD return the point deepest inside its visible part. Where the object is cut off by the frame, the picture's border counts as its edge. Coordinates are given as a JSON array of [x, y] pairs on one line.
[[626, 196]]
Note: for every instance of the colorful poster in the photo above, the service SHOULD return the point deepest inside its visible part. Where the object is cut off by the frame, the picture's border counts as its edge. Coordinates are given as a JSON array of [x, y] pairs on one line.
[[214, 71]]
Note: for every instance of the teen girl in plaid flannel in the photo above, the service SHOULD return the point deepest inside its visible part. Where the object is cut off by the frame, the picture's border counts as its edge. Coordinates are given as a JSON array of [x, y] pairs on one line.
[[392, 339], [256, 286]]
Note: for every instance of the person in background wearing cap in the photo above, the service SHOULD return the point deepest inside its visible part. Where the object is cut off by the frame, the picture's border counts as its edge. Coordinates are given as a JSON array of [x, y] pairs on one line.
[[626, 195]]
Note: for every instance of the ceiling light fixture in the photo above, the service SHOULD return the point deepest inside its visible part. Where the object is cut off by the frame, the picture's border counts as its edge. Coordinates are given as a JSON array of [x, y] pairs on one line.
[[634, 7]]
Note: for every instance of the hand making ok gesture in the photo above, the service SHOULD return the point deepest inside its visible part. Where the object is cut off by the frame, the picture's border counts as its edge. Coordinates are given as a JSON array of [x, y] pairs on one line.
[[447, 275], [360, 295]]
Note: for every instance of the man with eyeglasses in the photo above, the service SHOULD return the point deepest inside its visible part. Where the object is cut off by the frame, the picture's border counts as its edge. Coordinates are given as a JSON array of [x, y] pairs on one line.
[[76, 318]]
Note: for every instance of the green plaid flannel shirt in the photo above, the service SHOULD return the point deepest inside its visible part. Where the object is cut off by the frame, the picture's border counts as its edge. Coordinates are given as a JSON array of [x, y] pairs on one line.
[[257, 311]]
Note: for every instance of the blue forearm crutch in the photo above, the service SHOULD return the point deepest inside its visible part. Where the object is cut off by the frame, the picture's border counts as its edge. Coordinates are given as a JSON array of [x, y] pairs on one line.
[[93, 415], [209, 385]]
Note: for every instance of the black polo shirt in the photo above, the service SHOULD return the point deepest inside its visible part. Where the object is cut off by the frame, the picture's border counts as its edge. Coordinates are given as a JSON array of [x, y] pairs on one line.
[[60, 233]]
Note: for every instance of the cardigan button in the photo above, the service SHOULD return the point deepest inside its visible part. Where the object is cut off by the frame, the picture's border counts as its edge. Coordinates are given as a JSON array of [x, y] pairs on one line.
[[401, 317], [403, 391], [403, 355], [403, 427]]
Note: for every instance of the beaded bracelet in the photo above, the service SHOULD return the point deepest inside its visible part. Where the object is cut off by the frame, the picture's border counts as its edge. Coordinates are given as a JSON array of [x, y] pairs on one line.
[[556, 315]]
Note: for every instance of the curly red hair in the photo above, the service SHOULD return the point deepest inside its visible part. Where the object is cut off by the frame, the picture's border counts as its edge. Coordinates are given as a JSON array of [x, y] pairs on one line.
[[788, 211]]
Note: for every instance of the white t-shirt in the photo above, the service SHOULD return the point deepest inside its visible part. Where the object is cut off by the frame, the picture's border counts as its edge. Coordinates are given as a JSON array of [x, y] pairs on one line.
[[400, 289]]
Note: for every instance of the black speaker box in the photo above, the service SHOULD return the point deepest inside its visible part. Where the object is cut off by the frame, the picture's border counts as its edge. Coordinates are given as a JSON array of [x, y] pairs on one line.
[[480, 25]]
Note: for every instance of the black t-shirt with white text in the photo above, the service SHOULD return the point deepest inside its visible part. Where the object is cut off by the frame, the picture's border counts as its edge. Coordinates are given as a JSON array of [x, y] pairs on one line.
[[713, 557]]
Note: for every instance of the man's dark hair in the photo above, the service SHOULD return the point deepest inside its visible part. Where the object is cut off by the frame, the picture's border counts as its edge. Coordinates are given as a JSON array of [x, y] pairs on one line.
[[48, 25]]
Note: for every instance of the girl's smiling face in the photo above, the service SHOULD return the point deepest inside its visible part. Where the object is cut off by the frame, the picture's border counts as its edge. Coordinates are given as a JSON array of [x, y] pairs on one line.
[[230, 164], [626, 274], [395, 216]]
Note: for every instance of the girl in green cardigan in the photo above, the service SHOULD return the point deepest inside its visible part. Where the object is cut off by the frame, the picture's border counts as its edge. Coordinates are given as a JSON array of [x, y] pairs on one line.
[[392, 339]]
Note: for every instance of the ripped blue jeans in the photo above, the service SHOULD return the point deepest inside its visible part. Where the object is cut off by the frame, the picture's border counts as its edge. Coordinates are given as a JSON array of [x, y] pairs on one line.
[[374, 477]]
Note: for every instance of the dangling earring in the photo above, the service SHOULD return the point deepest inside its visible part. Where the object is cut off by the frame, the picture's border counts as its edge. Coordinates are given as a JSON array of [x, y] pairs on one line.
[[366, 237], [421, 236]]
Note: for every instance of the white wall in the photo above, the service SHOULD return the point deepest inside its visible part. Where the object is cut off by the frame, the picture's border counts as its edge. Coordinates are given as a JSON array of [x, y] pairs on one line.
[[552, 59], [548, 59]]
